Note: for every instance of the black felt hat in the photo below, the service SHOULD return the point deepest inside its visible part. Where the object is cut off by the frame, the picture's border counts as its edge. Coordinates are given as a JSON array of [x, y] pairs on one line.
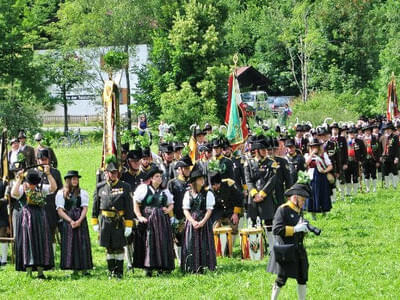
[[72, 173], [184, 162], [154, 170], [315, 142], [215, 178], [290, 143], [43, 153], [32, 177], [135, 154], [300, 190], [196, 173], [146, 152], [178, 146], [388, 125]]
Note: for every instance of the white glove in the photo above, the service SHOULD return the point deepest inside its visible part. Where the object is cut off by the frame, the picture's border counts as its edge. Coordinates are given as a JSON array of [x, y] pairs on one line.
[[301, 227], [96, 228], [128, 231], [173, 220]]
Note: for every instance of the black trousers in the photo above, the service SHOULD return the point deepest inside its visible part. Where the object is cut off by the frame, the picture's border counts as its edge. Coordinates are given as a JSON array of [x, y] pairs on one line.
[[351, 173], [369, 167], [389, 167]]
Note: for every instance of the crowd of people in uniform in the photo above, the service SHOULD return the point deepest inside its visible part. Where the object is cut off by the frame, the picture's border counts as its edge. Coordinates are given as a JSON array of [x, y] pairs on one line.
[[152, 208]]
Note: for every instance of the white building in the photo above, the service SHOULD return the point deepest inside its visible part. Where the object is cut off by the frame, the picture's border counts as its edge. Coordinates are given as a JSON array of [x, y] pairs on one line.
[[86, 99]]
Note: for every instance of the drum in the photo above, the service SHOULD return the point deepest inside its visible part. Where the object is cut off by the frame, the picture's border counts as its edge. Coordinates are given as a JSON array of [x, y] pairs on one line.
[[252, 243], [223, 241]]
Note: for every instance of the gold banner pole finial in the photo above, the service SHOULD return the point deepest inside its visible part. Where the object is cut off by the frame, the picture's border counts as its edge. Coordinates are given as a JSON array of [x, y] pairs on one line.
[[235, 61]]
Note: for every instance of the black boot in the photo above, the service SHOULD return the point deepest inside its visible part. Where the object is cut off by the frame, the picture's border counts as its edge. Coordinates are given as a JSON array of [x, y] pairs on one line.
[[119, 269], [111, 267]]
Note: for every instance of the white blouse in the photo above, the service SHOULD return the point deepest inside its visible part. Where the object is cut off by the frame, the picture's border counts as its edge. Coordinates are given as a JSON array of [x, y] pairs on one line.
[[141, 192], [45, 191], [60, 201], [210, 200], [310, 171]]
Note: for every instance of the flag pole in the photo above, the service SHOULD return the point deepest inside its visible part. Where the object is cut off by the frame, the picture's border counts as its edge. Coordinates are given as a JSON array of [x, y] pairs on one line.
[[235, 61]]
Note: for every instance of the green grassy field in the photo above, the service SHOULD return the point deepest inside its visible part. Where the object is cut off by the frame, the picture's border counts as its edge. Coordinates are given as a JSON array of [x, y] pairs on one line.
[[356, 257]]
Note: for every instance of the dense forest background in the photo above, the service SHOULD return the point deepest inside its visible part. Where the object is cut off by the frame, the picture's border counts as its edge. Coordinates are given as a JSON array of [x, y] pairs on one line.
[[337, 56]]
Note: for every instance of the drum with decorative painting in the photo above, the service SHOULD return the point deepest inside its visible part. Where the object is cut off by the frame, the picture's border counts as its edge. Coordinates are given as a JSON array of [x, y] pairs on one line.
[[223, 241], [252, 243]]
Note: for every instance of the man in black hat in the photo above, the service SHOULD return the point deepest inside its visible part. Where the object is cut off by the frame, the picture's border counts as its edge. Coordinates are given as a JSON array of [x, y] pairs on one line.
[[146, 162], [337, 152], [301, 142], [50, 207], [178, 187], [356, 155], [166, 165], [132, 174], [371, 162], [295, 160], [225, 163], [205, 155], [289, 230], [112, 202], [134, 177], [228, 203], [283, 180], [238, 162], [207, 129], [389, 155], [28, 151], [260, 174], [178, 147], [13, 153], [124, 154], [41, 146]]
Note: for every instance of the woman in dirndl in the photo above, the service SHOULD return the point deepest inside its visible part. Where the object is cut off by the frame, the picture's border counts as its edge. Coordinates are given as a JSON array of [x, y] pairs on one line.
[[154, 248], [34, 251], [319, 165], [72, 205], [198, 248]]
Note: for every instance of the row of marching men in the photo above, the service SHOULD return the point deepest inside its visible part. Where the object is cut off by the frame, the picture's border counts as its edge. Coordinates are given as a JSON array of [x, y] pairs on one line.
[[358, 154]]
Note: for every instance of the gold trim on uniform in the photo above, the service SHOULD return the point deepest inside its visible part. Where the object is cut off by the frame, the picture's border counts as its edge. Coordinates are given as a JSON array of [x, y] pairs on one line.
[[253, 192], [111, 214], [237, 210], [95, 221], [289, 230], [263, 194], [128, 223]]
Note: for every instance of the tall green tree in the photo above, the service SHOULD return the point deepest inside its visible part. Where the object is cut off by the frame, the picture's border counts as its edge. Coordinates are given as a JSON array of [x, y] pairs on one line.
[[114, 23], [190, 51], [22, 83], [66, 70]]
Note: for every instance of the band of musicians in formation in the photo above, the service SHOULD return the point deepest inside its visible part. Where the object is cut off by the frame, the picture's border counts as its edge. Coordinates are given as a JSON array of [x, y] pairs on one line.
[[152, 208]]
